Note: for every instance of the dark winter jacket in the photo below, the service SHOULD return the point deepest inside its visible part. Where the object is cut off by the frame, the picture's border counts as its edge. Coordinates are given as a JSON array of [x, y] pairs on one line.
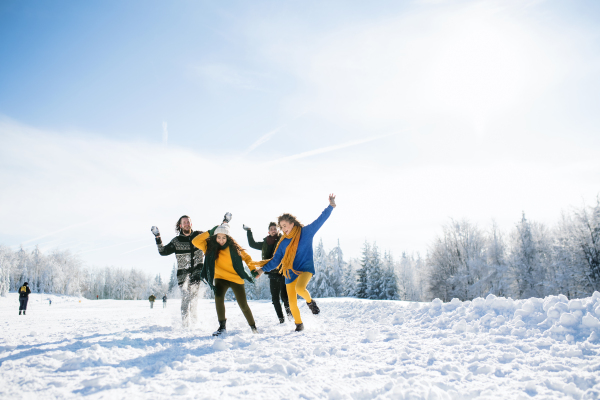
[[24, 291], [267, 250], [165, 298], [189, 258], [152, 298]]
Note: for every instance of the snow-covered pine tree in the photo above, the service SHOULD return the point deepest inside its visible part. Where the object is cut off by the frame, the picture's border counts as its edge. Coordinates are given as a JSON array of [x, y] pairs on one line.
[[173, 279], [375, 275], [362, 279], [525, 261], [319, 285], [336, 260], [5, 266], [390, 280]]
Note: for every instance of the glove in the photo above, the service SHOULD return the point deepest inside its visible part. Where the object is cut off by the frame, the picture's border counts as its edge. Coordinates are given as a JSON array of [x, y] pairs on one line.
[[227, 217], [246, 228], [155, 231]]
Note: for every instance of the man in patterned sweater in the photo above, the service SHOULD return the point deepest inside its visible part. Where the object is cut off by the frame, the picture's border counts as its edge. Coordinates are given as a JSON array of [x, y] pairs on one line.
[[189, 265]]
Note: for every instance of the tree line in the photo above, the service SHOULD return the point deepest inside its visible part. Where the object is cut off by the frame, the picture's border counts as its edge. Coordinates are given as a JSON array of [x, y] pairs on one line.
[[464, 262]]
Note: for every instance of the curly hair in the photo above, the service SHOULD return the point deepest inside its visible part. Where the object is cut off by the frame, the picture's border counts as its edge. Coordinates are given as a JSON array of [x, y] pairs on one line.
[[272, 224], [289, 218], [178, 224], [213, 247]]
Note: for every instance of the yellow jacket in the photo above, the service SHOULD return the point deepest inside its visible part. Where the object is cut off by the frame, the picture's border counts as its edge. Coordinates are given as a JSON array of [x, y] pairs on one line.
[[224, 265]]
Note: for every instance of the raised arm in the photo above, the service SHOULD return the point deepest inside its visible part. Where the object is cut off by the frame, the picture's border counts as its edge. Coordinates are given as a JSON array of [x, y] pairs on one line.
[[252, 243], [312, 228]]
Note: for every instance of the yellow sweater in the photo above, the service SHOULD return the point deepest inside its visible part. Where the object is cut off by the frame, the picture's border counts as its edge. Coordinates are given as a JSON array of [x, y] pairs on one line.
[[223, 265]]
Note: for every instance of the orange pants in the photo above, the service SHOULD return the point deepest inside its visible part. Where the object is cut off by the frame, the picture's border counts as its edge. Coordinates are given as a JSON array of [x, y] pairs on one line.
[[298, 287]]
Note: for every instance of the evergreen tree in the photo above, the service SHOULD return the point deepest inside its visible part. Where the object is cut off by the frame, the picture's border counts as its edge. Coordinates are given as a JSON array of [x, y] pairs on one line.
[[336, 261], [390, 281], [363, 272], [173, 280], [375, 275]]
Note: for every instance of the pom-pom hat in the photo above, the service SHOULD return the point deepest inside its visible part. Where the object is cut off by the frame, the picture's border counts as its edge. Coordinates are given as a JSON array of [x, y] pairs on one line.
[[223, 228]]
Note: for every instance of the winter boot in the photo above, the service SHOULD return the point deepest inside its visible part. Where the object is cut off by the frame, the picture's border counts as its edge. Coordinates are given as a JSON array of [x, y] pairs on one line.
[[23, 312], [313, 307], [222, 330], [299, 327], [253, 327], [282, 320], [19, 312]]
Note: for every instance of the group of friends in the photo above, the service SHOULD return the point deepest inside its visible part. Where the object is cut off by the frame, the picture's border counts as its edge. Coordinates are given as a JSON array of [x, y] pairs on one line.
[[215, 258]]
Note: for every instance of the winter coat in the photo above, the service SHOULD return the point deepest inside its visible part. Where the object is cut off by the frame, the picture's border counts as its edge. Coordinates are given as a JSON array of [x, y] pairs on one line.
[[189, 258], [24, 292], [266, 249], [303, 261], [152, 298], [224, 268], [164, 298]]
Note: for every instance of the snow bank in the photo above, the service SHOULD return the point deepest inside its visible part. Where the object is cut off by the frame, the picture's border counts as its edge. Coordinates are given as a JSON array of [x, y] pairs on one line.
[[355, 349]]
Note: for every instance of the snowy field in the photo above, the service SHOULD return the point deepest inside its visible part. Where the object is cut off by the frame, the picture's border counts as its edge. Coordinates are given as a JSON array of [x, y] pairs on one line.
[[356, 349]]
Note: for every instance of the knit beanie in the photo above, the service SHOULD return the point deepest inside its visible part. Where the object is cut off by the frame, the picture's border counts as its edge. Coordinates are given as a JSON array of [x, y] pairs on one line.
[[223, 228]]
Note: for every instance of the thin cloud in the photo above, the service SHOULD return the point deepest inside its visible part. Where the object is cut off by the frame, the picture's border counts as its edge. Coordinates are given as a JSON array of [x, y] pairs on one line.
[[61, 230], [114, 245], [165, 133], [326, 149]]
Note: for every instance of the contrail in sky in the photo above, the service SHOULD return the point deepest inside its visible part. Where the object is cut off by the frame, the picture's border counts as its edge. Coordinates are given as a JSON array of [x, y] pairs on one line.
[[112, 245], [139, 248], [61, 230], [325, 149], [265, 138]]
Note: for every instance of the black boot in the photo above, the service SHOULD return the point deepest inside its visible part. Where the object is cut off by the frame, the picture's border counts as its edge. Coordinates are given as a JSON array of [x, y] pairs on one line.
[[23, 312], [222, 330], [313, 307], [299, 327], [253, 327], [288, 311], [282, 320], [19, 312]]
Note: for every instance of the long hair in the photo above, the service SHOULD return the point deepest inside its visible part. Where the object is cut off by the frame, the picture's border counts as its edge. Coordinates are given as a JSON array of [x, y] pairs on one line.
[[289, 218], [178, 224], [213, 247]]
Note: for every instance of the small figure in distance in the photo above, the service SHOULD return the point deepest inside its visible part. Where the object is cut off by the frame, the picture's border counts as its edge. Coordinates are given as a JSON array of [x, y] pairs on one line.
[[23, 297]]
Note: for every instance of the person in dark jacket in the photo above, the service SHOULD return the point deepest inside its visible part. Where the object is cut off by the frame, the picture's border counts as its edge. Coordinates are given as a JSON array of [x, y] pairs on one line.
[[165, 301], [23, 297], [152, 298], [189, 265], [276, 280]]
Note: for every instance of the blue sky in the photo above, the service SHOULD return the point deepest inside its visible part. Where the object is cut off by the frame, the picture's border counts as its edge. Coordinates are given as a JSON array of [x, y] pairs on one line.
[[115, 116]]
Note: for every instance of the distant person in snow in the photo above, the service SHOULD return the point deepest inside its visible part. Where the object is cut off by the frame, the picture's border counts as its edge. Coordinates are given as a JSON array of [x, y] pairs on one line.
[[50, 301], [165, 301], [223, 269], [152, 298], [23, 297], [294, 259], [276, 280], [189, 265]]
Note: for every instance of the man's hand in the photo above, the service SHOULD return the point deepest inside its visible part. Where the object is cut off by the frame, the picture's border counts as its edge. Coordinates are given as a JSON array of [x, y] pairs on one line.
[[259, 271], [155, 231], [332, 200], [227, 217], [246, 228]]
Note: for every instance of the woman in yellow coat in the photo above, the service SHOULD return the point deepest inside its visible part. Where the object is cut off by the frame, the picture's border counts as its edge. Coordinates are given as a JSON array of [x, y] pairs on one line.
[[223, 269]]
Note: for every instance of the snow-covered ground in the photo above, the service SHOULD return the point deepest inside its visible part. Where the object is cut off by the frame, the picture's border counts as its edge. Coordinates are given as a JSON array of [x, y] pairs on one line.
[[356, 349]]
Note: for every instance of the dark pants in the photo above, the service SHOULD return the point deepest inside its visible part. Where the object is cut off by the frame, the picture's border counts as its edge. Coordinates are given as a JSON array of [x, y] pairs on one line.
[[278, 291], [221, 286], [23, 303], [151, 304]]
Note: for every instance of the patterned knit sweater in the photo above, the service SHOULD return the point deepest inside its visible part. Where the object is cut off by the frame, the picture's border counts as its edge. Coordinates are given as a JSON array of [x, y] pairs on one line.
[[189, 258]]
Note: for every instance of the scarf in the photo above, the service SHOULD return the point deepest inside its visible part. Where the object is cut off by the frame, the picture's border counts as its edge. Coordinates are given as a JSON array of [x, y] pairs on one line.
[[287, 262], [208, 270]]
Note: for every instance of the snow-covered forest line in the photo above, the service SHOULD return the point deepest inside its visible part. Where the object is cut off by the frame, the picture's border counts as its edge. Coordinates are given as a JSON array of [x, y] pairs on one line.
[[464, 262]]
